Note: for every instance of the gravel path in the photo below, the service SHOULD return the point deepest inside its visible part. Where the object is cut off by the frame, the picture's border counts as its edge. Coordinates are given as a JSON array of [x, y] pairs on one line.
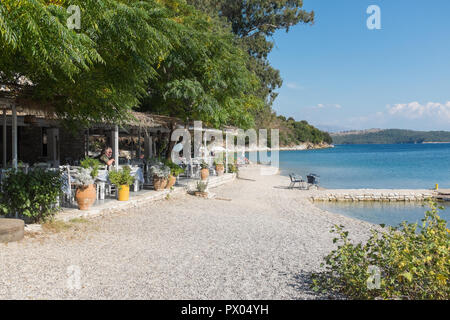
[[262, 244]]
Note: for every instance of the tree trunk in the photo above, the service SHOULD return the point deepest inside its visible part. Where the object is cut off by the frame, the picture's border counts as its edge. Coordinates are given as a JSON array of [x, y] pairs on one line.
[[171, 143]]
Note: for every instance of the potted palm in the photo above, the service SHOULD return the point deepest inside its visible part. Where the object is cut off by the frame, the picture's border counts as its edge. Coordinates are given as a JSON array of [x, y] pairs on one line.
[[122, 179], [204, 172], [220, 168], [160, 173], [85, 194], [175, 171]]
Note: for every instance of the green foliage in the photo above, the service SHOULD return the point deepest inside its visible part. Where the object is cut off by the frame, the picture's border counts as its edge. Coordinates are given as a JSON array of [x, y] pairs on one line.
[[96, 73], [83, 178], [202, 186], [255, 22], [121, 177], [91, 163], [205, 77], [390, 136], [219, 159], [232, 168], [414, 261], [204, 165], [160, 170], [33, 195], [175, 170]]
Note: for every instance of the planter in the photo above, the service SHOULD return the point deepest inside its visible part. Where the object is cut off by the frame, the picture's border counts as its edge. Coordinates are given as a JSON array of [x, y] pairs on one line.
[[220, 169], [159, 183], [201, 194], [204, 173], [124, 193], [85, 197], [171, 181]]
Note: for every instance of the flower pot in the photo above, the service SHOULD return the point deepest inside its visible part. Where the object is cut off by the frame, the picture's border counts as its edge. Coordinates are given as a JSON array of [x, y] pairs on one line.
[[85, 197], [220, 169], [159, 183], [124, 193], [201, 194], [171, 181], [204, 173]]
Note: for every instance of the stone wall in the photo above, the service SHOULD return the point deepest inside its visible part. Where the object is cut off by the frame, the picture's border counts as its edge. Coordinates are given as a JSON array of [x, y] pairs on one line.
[[373, 195]]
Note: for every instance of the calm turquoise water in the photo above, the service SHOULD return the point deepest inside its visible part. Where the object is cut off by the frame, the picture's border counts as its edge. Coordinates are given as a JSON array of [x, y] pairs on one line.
[[405, 166], [382, 213]]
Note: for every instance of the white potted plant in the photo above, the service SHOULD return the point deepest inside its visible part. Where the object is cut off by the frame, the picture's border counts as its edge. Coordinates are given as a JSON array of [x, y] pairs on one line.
[[86, 193]]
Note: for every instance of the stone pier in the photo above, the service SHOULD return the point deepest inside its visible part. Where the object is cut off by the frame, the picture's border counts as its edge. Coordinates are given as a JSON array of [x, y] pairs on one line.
[[384, 195]]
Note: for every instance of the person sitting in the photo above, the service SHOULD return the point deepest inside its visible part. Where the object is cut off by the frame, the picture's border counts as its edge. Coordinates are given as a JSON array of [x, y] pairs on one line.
[[105, 156]]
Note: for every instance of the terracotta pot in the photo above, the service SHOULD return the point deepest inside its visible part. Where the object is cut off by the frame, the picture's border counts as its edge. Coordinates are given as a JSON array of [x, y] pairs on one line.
[[159, 183], [220, 169], [171, 181], [204, 174], [124, 193], [85, 197], [201, 194]]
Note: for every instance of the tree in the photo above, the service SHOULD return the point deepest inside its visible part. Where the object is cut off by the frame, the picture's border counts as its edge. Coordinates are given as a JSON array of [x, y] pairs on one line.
[[254, 22], [95, 73], [205, 76]]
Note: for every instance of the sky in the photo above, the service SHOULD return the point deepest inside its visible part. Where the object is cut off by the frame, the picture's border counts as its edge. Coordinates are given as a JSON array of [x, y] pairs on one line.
[[340, 75]]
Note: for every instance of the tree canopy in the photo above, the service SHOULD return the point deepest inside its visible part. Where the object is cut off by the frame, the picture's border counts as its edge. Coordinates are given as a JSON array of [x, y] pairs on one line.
[[205, 77], [254, 22], [206, 61], [97, 72], [164, 53]]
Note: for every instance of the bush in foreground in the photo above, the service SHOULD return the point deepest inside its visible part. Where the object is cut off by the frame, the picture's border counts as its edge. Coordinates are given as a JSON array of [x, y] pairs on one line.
[[409, 262], [33, 195]]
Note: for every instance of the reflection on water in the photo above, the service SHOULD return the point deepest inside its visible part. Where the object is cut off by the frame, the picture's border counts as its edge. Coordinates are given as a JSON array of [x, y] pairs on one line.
[[389, 213]]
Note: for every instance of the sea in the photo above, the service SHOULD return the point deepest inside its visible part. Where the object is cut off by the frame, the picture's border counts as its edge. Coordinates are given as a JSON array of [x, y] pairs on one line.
[[380, 166]]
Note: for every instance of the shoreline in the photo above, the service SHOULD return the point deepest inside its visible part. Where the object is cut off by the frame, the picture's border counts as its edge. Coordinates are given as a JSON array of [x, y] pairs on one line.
[[300, 147]]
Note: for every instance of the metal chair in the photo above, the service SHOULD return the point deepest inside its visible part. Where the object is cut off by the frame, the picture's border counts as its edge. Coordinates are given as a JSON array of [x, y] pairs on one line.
[[296, 179], [313, 179]]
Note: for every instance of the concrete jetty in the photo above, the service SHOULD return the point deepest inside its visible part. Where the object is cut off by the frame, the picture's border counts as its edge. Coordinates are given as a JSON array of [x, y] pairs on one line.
[[384, 195]]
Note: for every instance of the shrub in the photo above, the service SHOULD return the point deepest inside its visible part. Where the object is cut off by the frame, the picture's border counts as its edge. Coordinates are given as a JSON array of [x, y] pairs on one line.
[[83, 178], [91, 163], [413, 261], [232, 168], [202, 186], [204, 165], [33, 195], [175, 170], [160, 170], [121, 177]]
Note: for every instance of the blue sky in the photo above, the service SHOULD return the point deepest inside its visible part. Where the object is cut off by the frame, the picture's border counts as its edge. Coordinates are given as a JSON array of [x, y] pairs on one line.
[[338, 74]]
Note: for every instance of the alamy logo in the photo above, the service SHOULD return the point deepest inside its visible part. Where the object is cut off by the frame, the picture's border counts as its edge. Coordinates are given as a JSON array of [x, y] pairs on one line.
[[374, 280], [73, 278], [74, 21], [374, 21]]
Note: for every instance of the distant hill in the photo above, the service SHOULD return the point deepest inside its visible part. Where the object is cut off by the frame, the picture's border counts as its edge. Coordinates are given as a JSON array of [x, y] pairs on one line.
[[389, 136]]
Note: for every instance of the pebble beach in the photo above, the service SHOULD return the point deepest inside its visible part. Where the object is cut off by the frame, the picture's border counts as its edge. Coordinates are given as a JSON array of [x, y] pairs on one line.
[[255, 240]]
